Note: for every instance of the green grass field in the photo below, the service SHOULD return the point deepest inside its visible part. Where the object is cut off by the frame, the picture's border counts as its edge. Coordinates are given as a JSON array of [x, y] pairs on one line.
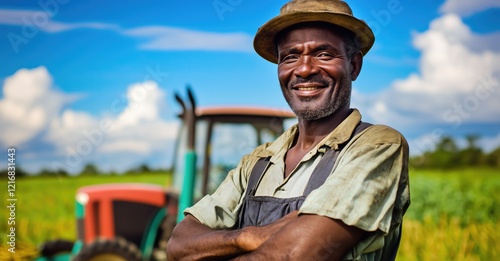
[[453, 215]]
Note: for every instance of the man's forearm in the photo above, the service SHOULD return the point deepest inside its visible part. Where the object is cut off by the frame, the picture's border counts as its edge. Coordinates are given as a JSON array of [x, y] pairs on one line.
[[192, 240], [310, 237]]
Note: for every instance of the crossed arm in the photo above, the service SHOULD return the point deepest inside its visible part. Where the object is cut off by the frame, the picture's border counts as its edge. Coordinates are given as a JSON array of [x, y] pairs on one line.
[[293, 237]]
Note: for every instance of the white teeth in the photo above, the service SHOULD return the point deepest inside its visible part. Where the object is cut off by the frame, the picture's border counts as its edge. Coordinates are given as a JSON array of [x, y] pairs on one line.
[[307, 88]]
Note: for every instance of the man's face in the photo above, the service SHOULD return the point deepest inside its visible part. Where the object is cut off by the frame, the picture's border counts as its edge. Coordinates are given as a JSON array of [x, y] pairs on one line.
[[314, 71]]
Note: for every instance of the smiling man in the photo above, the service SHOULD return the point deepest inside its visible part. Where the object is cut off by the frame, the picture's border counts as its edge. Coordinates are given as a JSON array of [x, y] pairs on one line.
[[331, 187]]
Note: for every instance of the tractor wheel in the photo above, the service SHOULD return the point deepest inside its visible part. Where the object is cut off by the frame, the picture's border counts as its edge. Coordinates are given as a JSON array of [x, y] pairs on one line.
[[167, 227], [109, 250], [54, 247]]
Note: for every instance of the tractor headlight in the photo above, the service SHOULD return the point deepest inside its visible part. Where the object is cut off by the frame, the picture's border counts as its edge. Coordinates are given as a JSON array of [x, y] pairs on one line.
[[82, 198]]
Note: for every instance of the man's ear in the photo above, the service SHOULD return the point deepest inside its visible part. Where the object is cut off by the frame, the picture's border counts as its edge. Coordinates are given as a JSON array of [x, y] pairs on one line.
[[356, 64]]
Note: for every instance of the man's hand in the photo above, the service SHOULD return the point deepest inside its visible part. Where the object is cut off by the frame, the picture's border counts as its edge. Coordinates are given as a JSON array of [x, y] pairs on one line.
[[307, 237], [192, 240], [293, 237], [250, 238]]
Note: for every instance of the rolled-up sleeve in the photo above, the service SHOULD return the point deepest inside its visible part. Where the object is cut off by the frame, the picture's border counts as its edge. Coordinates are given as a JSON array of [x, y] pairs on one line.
[[368, 181], [220, 210]]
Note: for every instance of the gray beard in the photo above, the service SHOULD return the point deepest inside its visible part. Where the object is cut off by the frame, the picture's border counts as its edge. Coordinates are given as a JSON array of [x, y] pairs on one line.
[[309, 112]]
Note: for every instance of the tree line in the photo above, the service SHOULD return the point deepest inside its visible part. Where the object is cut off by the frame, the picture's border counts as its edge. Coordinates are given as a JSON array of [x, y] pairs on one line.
[[448, 155], [89, 169]]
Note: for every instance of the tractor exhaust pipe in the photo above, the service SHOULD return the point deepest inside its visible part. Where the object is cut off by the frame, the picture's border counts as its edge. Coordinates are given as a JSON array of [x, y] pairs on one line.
[[189, 117]]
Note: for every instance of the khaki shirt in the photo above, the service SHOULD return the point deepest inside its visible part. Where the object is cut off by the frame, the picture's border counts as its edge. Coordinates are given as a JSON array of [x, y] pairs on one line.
[[368, 187]]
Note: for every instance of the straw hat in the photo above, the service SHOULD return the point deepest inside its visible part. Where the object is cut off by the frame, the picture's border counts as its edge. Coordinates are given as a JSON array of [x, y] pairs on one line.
[[298, 11]]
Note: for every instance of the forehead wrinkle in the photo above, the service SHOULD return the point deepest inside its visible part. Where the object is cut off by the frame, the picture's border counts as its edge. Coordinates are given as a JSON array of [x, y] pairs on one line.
[[297, 47], [309, 46]]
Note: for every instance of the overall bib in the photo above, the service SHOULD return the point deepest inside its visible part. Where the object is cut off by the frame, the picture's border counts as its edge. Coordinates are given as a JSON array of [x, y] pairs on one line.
[[263, 210]]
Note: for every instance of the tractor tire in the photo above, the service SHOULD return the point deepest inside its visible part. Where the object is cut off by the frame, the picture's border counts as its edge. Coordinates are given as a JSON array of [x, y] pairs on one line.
[[55, 247], [165, 232], [117, 249]]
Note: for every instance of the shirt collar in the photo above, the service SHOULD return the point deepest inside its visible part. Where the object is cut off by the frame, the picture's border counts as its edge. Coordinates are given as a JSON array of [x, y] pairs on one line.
[[339, 135], [344, 131]]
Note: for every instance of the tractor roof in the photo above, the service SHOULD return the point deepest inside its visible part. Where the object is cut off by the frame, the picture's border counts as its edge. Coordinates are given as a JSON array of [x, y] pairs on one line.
[[243, 111]]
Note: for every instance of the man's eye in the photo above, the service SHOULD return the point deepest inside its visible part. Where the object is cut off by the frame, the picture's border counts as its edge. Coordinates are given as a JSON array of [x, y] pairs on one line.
[[289, 58], [324, 55]]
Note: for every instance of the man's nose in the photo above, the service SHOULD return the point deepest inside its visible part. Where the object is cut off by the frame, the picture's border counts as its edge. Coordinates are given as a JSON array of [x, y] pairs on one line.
[[306, 67]]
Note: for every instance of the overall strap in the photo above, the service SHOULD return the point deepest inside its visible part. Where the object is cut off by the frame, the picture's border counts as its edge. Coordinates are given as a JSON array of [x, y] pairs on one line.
[[319, 175], [325, 165], [322, 170], [361, 127], [258, 170]]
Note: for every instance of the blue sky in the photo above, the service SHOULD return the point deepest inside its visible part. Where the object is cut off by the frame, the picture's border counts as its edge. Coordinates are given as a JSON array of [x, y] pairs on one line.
[[69, 65]]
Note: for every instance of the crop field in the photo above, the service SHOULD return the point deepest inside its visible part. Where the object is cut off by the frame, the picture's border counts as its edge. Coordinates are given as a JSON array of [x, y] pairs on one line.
[[454, 215]]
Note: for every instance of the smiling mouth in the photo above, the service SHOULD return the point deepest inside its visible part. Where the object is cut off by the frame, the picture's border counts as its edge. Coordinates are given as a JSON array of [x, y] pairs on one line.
[[307, 87]]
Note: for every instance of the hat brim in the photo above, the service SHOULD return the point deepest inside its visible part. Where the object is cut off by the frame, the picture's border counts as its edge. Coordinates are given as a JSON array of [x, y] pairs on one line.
[[264, 43]]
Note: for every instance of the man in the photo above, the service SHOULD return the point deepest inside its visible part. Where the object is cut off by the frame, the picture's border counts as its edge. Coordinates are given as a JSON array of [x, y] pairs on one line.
[[329, 188]]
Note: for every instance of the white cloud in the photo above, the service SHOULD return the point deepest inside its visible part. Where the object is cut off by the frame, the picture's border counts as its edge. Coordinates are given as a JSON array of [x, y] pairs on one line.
[[171, 38], [43, 21], [67, 129], [143, 138], [424, 143], [16, 17], [30, 102], [458, 81], [447, 64], [162, 38], [468, 7], [139, 127], [144, 102], [458, 85], [32, 114], [55, 27], [136, 146], [137, 130]]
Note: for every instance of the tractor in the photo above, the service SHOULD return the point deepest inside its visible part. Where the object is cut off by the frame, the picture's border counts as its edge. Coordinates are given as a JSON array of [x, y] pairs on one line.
[[132, 222]]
